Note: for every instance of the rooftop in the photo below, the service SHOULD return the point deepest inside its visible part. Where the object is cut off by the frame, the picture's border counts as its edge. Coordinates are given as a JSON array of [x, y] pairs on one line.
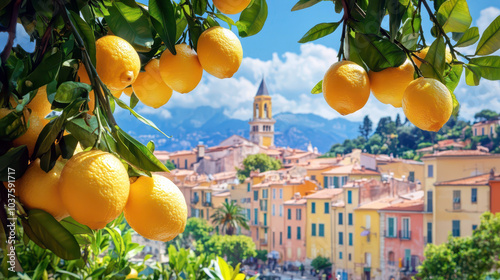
[[477, 180], [459, 153], [350, 169], [381, 203], [300, 201], [324, 194], [262, 89]]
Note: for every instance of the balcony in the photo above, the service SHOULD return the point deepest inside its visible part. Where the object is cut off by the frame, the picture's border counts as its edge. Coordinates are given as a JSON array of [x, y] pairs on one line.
[[262, 224], [207, 204], [404, 235], [390, 234]]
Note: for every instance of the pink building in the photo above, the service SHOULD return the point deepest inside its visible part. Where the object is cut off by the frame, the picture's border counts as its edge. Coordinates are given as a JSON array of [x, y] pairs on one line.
[[294, 239], [277, 233], [403, 240]]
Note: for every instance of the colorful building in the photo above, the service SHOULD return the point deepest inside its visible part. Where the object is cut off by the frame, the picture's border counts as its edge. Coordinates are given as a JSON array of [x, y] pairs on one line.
[[494, 192], [262, 124], [485, 128], [337, 177], [294, 240], [410, 170]]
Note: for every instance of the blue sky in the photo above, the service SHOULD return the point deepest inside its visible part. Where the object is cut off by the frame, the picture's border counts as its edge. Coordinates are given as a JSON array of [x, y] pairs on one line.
[[292, 69]]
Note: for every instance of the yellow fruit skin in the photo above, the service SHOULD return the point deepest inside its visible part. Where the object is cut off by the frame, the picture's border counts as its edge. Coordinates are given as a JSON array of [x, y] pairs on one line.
[[94, 188], [150, 88], [231, 7], [40, 105], [128, 91], [427, 104], [39, 190], [35, 126], [423, 53], [156, 208], [181, 72], [118, 63], [220, 52], [132, 275], [346, 87], [389, 85]]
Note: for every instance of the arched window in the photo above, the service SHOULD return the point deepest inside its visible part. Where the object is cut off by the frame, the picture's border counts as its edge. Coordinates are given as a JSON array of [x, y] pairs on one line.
[[265, 111], [391, 258], [257, 111]]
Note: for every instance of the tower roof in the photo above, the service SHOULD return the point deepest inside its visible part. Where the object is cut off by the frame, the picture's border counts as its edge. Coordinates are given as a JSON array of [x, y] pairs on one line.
[[262, 89]]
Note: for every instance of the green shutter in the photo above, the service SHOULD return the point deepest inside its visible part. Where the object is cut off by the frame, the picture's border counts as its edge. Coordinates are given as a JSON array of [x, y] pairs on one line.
[[336, 182], [325, 182]]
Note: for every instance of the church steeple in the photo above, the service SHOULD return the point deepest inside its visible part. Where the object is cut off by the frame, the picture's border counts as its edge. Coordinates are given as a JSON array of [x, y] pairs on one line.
[[262, 124]]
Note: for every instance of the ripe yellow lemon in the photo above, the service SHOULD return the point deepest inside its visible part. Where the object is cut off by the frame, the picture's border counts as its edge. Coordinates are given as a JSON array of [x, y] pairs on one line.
[[220, 52], [94, 187], [231, 7], [40, 105], [156, 208], [128, 91], [346, 87], [427, 104], [35, 126], [118, 63], [389, 85], [423, 53], [132, 275], [181, 72], [150, 88], [38, 189]]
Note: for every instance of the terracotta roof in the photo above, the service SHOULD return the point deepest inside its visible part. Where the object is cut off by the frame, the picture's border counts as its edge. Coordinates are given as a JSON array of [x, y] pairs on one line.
[[381, 203], [181, 153], [477, 180], [181, 172], [486, 122], [225, 175], [300, 155], [407, 205], [296, 201], [324, 194], [460, 153]]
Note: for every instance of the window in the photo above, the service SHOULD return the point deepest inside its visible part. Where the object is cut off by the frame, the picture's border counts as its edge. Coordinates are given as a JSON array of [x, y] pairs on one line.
[[274, 210], [429, 232], [368, 222], [456, 200], [341, 218], [475, 131], [473, 195], [249, 213], [429, 201], [289, 232], [350, 238], [265, 193], [321, 230], [281, 193], [491, 131], [455, 228], [298, 233], [265, 219], [289, 213], [430, 171], [482, 130], [255, 216], [349, 197], [350, 257], [208, 197], [248, 187], [411, 176], [327, 207], [349, 219], [185, 163], [341, 238], [391, 259], [313, 229], [255, 195], [340, 255], [281, 238], [313, 177], [405, 228], [274, 193], [336, 182], [474, 227], [313, 207], [281, 210], [391, 227], [298, 214]]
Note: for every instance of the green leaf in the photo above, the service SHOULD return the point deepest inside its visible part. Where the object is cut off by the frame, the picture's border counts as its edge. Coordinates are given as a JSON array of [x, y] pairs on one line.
[[12, 126], [318, 31], [353, 53], [14, 163], [434, 68], [75, 227], [84, 131], [68, 145], [151, 146], [378, 53], [489, 66], [163, 19], [453, 78], [139, 117], [409, 33], [454, 16], [318, 88], [490, 40], [469, 37], [180, 22], [472, 75], [252, 18], [40, 268], [396, 11], [86, 33], [374, 15], [133, 100], [211, 22], [438, 3], [136, 153], [45, 73], [456, 105], [338, 6], [226, 19], [128, 21], [200, 6], [53, 235], [49, 135], [69, 91], [302, 4]]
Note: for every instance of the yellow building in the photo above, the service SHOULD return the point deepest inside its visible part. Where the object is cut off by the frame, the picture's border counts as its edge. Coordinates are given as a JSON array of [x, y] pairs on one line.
[[337, 177], [262, 124], [461, 204], [242, 195], [446, 166], [201, 202], [319, 237], [485, 128], [410, 170]]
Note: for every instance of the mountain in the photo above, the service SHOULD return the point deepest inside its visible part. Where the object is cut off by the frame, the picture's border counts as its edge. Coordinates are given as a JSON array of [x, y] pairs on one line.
[[190, 126]]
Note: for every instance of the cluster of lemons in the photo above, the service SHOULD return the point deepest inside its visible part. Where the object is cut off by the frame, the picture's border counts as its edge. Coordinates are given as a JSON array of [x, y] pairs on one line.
[[426, 102]]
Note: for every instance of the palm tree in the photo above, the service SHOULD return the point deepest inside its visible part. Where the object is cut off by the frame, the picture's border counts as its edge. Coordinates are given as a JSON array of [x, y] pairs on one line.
[[229, 217]]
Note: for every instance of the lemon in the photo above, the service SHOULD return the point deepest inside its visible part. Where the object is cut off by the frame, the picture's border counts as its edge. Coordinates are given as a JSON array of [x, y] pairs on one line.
[[38, 189], [346, 87], [94, 188], [128, 91], [35, 126], [220, 52], [150, 88], [423, 53], [156, 208], [427, 104], [181, 72], [40, 105], [133, 274], [389, 85], [231, 7]]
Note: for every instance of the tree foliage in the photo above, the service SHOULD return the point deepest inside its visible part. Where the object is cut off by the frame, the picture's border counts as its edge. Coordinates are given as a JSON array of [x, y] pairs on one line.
[[366, 127], [230, 217], [197, 230], [234, 248], [471, 258], [261, 162], [486, 115], [320, 263]]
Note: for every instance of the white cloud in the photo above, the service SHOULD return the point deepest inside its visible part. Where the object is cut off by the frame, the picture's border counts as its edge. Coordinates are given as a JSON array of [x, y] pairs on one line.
[[162, 112], [486, 17]]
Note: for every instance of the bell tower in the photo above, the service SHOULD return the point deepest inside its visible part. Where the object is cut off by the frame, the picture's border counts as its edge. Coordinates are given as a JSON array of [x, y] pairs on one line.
[[262, 123]]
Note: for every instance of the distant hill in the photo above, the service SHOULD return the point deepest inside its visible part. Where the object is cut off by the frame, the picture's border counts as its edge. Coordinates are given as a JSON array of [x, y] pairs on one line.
[[210, 125]]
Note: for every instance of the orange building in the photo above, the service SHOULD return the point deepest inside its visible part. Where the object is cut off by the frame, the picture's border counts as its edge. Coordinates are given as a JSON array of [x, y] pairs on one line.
[[494, 193], [294, 239]]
